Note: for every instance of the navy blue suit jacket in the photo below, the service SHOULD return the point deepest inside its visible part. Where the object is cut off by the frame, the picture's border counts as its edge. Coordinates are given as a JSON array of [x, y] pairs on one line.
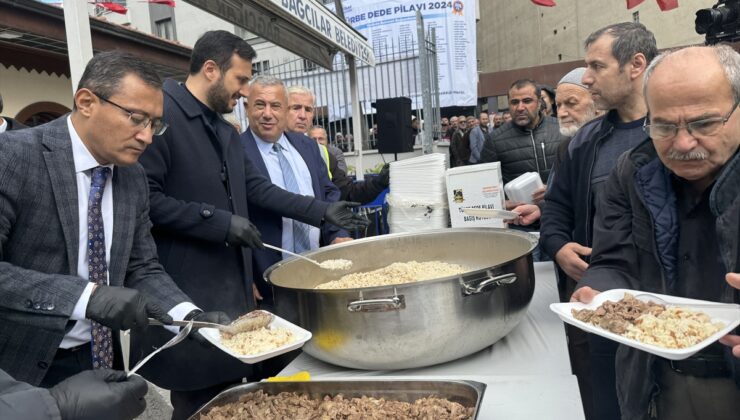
[[269, 223]]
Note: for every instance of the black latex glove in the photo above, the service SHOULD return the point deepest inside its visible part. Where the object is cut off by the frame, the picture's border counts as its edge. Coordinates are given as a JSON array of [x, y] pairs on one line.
[[384, 177], [243, 233], [340, 214], [100, 394], [121, 309], [216, 317]]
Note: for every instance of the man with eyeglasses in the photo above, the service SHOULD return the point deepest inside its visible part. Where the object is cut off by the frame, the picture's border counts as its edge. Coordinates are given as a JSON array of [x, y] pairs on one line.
[[667, 222], [202, 188], [616, 58], [78, 262]]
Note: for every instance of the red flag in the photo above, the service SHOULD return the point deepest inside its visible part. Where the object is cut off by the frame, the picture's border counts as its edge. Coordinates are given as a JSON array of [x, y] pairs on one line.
[[666, 5], [633, 3], [113, 7], [170, 3], [546, 3]]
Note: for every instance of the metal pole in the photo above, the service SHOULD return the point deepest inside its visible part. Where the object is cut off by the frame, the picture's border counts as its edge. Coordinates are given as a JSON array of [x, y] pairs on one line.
[[355, 98], [79, 42], [426, 85]]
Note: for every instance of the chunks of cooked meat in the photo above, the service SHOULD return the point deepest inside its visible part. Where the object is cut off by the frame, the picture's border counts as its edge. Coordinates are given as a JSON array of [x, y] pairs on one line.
[[651, 323], [618, 316], [294, 406]]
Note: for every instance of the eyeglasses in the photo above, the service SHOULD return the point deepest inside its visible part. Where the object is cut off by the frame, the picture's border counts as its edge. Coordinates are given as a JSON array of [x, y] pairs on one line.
[[704, 128], [139, 119]]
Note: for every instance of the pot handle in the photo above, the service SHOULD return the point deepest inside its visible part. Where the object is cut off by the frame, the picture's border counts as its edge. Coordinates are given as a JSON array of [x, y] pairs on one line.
[[377, 305], [468, 289]]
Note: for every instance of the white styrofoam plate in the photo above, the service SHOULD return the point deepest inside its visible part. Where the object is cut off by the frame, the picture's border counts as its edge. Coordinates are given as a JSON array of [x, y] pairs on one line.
[[490, 213], [301, 337], [728, 314]]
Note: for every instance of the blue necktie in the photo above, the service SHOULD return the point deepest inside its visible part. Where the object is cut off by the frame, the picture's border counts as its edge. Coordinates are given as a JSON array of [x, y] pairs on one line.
[[301, 242], [102, 337]]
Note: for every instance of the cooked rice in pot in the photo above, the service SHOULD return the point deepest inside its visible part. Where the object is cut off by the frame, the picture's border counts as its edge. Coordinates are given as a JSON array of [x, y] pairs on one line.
[[396, 273]]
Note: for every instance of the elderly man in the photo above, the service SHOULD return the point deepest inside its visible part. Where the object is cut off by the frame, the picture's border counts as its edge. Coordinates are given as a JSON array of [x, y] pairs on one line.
[[574, 103], [667, 222], [301, 110], [616, 58], [292, 162]]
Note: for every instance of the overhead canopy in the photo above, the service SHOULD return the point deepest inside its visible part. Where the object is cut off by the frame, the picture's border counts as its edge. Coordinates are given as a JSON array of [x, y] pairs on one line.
[[304, 27], [32, 36]]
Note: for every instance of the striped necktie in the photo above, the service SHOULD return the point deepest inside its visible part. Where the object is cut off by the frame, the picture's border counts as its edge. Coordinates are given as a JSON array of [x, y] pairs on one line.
[[301, 242], [102, 337]]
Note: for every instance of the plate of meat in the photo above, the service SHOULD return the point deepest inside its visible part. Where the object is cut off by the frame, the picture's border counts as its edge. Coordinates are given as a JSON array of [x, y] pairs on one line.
[[671, 327]]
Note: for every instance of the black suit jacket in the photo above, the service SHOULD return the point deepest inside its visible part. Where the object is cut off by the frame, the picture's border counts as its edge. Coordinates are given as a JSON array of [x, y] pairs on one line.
[[269, 223], [39, 245], [198, 177]]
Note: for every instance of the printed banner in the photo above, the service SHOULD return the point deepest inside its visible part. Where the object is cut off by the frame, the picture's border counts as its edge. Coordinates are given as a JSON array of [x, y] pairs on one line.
[[384, 22]]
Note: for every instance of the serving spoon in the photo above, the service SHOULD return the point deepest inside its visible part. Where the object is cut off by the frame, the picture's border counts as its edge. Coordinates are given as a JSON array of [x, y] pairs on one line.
[[648, 297], [248, 322], [337, 264]]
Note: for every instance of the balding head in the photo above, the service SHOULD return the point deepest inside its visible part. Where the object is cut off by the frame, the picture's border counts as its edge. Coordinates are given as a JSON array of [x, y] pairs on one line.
[[698, 86]]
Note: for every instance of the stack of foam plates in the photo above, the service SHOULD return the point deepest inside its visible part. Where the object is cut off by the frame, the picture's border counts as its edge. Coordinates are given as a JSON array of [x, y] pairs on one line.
[[418, 197]]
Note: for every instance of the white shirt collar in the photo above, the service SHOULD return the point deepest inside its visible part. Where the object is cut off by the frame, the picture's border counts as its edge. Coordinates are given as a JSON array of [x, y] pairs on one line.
[[266, 147], [3, 125], [84, 160]]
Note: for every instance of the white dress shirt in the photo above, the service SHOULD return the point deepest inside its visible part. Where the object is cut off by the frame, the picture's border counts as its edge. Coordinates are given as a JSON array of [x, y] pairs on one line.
[[302, 176], [3, 125], [84, 163]]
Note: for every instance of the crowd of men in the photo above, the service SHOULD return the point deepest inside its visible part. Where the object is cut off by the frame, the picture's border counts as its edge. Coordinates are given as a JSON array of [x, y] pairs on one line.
[[641, 192], [144, 202]]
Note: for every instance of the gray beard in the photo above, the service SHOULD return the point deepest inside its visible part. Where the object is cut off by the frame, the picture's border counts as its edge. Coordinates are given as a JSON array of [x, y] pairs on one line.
[[569, 131]]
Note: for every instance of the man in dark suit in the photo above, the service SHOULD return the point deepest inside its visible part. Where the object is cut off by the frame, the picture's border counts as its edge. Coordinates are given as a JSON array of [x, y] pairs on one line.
[[6, 123], [201, 185], [268, 114], [77, 259]]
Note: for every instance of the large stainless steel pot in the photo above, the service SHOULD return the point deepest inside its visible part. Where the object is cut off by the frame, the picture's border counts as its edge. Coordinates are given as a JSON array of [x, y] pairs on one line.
[[416, 324]]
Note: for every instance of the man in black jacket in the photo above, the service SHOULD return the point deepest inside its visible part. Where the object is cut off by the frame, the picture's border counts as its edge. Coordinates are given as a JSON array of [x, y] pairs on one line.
[[200, 185], [616, 59], [529, 142], [667, 222]]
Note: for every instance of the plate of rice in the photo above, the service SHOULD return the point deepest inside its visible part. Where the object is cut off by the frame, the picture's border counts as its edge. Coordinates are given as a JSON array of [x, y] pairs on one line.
[[279, 337], [667, 330]]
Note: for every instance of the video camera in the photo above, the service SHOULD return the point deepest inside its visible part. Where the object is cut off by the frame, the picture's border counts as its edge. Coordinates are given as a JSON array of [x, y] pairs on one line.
[[720, 23]]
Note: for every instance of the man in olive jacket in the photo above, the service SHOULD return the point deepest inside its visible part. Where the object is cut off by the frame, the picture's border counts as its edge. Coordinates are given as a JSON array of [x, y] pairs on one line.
[[668, 223]]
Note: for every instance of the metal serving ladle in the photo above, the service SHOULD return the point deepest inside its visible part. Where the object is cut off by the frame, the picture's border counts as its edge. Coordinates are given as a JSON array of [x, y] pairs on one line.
[[338, 264], [648, 297], [174, 340]]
